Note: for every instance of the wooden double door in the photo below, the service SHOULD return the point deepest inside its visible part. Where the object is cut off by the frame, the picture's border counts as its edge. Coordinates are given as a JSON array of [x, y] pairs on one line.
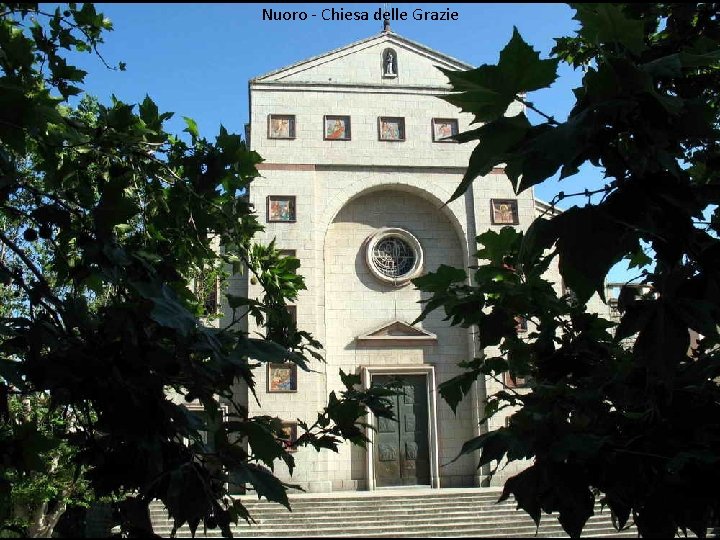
[[402, 448]]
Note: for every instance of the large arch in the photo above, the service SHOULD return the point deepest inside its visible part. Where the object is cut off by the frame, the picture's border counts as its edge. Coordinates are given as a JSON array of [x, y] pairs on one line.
[[351, 302], [434, 193], [455, 211]]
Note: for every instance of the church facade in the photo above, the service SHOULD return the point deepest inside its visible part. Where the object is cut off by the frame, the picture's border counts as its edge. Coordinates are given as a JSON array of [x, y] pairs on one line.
[[356, 174]]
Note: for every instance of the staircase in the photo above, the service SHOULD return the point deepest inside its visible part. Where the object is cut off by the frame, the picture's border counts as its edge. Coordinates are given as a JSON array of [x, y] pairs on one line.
[[395, 513]]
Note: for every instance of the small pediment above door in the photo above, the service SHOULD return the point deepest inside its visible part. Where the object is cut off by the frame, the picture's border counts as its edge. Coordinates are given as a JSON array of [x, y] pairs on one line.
[[397, 333]]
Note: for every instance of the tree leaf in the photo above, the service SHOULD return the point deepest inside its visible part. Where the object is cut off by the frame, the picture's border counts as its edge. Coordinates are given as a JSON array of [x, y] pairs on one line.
[[584, 270], [608, 23], [192, 128], [488, 90], [496, 139], [455, 389], [149, 112], [263, 443], [498, 245], [662, 340], [526, 490], [522, 69], [441, 279], [264, 483], [167, 309]]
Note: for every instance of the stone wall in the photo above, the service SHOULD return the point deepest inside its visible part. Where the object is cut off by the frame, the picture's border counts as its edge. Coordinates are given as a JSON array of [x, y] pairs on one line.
[[357, 303], [346, 190], [362, 64]]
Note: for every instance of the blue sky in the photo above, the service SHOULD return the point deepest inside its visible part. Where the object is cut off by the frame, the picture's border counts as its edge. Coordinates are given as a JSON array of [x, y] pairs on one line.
[[196, 59]]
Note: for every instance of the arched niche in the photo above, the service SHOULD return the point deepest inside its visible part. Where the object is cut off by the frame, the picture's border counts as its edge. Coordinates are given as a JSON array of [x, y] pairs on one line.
[[389, 63]]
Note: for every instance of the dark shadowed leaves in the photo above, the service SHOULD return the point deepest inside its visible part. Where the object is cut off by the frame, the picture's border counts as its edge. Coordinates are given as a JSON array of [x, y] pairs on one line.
[[496, 139], [608, 24], [489, 90], [167, 308], [263, 482], [584, 270]]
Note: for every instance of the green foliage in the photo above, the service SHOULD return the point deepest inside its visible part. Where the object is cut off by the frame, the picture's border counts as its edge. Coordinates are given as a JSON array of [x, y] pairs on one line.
[[111, 233], [487, 92], [635, 423], [44, 477]]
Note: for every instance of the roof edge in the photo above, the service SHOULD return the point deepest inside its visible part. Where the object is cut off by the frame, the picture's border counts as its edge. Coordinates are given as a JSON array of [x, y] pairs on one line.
[[389, 33], [547, 208]]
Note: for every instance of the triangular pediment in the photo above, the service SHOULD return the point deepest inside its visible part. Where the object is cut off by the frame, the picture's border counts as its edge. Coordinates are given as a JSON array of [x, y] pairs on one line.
[[397, 331], [360, 63]]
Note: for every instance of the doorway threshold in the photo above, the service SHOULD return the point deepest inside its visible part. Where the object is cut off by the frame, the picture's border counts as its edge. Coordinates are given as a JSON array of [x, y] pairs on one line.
[[419, 486]]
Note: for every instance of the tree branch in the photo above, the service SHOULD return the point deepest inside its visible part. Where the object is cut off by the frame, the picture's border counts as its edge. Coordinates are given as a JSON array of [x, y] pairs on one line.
[[93, 42], [20, 253], [532, 107]]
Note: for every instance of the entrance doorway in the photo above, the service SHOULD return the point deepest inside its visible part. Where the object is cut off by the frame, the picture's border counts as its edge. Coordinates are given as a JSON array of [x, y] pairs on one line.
[[401, 446]]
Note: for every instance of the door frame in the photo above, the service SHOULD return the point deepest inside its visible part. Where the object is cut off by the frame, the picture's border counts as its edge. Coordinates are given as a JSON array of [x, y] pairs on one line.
[[428, 371]]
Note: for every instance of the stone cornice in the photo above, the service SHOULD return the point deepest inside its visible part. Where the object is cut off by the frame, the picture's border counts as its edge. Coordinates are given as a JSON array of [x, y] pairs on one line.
[[354, 167], [351, 88]]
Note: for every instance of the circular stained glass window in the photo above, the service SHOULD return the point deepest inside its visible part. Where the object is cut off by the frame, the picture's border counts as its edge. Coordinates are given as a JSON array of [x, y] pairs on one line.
[[394, 255]]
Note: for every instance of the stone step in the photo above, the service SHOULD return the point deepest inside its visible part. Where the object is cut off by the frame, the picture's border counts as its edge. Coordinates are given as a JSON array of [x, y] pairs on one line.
[[365, 502], [445, 534], [388, 493], [483, 533], [320, 518], [490, 497], [398, 508], [472, 513], [368, 502], [276, 509], [446, 530], [342, 505], [490, 522], [380, 515], [280, 511]]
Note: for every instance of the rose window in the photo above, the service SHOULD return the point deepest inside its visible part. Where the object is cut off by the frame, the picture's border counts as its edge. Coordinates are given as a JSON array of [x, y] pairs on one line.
[[394, 255]]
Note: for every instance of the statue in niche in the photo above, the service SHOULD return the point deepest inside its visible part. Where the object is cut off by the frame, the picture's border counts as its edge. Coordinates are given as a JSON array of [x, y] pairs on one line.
[[390, 63]]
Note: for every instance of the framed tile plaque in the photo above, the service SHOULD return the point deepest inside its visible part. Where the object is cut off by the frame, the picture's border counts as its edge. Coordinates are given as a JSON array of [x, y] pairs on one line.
[[391, 128], [504, 211], [442, 128], [281, 378], [281, 126], [336, 128], [281, 208]]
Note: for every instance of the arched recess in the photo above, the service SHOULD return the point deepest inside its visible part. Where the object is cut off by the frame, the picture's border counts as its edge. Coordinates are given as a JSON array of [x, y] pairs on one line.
[[455, 211], [389, 63], [434, 193], [353, 303]]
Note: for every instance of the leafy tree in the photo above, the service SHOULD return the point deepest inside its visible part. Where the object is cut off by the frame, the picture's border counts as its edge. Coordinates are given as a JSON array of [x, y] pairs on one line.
[[47, 483], [107, 220], [636, 425]]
